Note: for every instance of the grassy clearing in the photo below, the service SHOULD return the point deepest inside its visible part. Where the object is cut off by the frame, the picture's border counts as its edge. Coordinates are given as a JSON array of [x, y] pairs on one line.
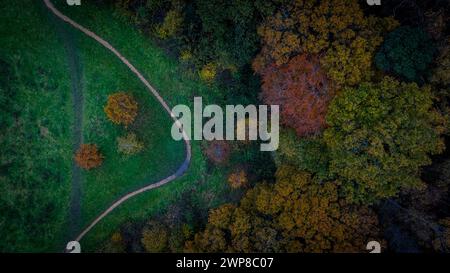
[[105, 74], [119, 174], [36, 131]]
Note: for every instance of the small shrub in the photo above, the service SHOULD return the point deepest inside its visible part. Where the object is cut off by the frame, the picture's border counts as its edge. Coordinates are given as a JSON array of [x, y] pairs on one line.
[[129, 144], [88, 157], [218, 152], [208, 72], [238, 179]]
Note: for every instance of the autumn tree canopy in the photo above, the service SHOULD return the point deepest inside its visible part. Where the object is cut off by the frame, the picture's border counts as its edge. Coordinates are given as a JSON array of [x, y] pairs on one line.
[[296, 214], [303, 92], [335, 29], [121, 108], [380, 135], [154, 237], [88, 156], [351, 142]]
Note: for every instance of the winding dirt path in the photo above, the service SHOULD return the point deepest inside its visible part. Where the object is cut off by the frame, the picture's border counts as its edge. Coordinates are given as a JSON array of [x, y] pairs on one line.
[[155, 93]]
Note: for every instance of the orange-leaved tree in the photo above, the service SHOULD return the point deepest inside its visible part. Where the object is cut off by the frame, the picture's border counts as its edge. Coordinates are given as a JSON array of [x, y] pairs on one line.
[[121, 108], [88, 156], [303, 92]]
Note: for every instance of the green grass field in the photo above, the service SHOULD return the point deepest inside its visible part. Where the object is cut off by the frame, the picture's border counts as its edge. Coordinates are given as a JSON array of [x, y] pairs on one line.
[[36, 143]]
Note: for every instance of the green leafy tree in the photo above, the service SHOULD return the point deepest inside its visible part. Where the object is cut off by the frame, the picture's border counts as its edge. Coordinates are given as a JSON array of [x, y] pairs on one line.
[[307, 154], [380, 135], [146, 14], [406, 52], [171, 26], [203, 32], [228, 37]]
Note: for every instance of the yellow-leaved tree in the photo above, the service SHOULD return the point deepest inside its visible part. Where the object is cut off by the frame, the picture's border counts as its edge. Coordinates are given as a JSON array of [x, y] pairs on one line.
[[121, 108]]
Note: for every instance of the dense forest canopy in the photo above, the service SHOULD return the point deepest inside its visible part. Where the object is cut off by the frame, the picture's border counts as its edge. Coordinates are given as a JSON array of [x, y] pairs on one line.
[[364, 96]]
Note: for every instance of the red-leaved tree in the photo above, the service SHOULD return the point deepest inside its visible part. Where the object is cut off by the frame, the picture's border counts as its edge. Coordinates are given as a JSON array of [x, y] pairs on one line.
[[303, 92]]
